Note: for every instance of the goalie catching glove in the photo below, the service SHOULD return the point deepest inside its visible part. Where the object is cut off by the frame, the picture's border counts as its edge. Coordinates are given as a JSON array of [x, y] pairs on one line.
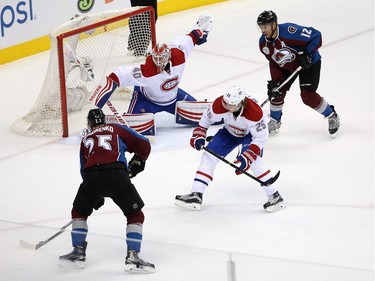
[[136, 165], [201, 29], [198, 139], [248, 155], [104, 91]]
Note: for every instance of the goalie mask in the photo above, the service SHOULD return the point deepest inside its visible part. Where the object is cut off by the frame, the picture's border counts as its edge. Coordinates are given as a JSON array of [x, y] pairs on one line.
[[161, 55], [95, 117], [233, 98]]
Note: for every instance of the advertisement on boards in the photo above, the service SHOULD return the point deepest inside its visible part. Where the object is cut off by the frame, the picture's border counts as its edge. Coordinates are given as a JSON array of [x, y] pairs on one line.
[[25, 20]]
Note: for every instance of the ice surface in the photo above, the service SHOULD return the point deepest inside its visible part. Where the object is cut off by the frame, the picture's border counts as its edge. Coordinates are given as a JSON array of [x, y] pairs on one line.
[[327, 231]]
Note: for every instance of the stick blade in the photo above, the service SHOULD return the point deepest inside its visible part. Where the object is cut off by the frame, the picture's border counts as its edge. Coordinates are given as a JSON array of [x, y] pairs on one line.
[[27, 245], [272, 180]]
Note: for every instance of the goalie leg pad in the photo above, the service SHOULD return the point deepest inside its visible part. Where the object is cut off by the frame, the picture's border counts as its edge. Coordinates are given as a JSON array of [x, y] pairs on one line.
[[142, 123], [190, 112], [76, 98]]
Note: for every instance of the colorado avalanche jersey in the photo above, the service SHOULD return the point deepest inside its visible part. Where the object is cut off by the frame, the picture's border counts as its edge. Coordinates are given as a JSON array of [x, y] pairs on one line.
[[292, 38], [250, 121], [160, 88], [108, 144]]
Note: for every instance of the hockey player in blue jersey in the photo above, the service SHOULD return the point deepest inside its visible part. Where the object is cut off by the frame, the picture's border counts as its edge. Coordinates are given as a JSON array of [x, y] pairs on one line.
[[288, 46]]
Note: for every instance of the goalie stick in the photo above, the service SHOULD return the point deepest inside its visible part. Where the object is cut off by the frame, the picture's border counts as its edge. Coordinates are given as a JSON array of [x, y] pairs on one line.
[[36, 246], [283, 84], [266, 183], [108, 102]]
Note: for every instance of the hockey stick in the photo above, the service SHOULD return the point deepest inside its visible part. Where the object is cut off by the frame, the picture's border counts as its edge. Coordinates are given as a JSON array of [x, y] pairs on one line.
[[108, 102], [266, 183], [283, 84], [31, 246]]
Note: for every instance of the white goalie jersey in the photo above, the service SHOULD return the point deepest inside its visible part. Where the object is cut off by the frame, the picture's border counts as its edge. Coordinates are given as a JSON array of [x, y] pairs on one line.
[[160, 88]]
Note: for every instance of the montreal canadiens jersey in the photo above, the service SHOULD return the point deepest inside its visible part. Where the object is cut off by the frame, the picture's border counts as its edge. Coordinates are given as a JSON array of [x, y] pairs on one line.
[[251, 120], [107, 144], [160, 88], [292, 38]]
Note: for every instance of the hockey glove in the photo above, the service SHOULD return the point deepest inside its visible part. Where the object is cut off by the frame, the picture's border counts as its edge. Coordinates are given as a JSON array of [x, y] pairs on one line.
[[248, 155], [272, 91], [200, 37], [198, 139], [304, 59], [201, 29], [204, 23], [136, 165], [104, 91]]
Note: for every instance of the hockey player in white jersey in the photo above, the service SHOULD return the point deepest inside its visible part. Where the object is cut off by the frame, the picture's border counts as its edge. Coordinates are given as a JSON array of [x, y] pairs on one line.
[[244, 125], [156, 81]]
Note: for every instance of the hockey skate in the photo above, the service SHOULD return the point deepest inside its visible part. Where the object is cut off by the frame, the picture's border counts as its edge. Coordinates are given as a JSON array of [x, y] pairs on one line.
[[191, 201], [333, 122], [275, 203], [75, 259], [135, 264], [274, 126]]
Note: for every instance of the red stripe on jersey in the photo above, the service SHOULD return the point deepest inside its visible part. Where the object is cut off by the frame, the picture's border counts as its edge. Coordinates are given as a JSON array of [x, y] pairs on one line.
[[193, 38]]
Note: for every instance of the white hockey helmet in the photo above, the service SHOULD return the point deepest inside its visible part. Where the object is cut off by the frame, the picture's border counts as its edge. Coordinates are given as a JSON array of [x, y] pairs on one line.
[[161, 55], [233, 98]]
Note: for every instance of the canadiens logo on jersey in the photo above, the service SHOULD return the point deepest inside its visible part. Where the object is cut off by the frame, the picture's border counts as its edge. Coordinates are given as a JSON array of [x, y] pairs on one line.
[[170, 84], [238, 132], [283, 56]]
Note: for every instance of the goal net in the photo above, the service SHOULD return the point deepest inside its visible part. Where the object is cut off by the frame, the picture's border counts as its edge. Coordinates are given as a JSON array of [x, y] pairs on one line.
[[83, 51]]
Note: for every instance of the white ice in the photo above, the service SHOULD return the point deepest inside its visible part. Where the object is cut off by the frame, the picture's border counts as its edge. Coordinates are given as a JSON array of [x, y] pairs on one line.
[[325, 233]]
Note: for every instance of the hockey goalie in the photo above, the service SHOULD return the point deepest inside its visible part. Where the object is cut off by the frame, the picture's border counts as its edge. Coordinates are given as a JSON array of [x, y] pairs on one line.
[[156, 82]]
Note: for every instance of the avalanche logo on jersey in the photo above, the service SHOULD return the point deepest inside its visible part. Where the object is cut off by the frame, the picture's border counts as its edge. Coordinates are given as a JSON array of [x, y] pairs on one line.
[[283, 56], [169, 84]]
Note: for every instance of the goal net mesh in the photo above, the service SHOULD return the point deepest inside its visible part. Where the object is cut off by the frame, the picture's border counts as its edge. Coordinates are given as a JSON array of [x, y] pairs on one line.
[[83, 51]]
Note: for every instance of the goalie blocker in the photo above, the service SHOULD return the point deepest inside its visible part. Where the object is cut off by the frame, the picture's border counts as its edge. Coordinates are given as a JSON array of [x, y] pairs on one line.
[[142, 123], [190, 112]]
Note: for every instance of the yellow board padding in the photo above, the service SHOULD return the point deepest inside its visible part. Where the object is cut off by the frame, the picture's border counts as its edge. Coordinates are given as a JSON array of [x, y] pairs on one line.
[[172, 6], [26, 49], [41, 44]]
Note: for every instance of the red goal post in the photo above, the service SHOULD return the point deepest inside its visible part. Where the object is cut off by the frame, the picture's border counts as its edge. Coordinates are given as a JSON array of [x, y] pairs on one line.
[[83, 51]]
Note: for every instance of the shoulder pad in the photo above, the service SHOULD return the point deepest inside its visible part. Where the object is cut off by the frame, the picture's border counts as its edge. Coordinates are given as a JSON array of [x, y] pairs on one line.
[[252, 111], [217, 106], [148, 69]]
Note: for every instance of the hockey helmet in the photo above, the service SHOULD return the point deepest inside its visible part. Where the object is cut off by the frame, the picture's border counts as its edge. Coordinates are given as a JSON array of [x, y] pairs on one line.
[[161, 55], [267, 17], [233, 98], [95, 117]]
